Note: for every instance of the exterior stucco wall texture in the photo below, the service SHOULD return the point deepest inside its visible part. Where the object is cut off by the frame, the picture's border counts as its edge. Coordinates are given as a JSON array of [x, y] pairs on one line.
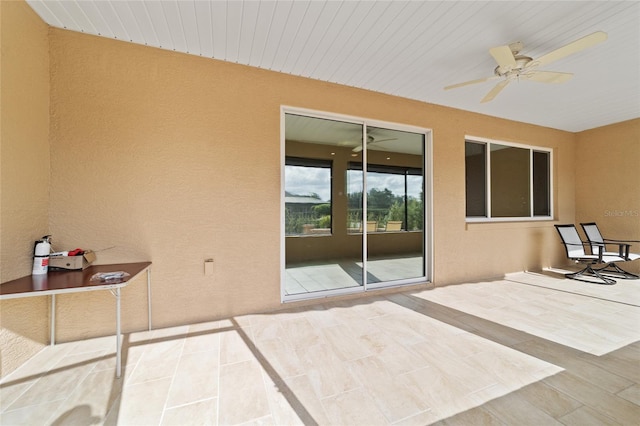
[[608, 182], [24, 173], [173, 158]]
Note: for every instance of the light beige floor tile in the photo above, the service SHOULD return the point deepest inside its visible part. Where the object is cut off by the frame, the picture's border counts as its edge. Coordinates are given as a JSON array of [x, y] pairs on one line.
[[59, 381], [397, 359], [586, 416], [16, 383], [300, 333], [233, 347], [171, 333], [344, 343], [281, 356], [319, 317], [548, 399], [613, 406], [242, 393], [158, 361], [197, 413], [140, 404], [204, 327], [11, 391], [202, 341], [474, 417], [105, 343], [268, 328], [510, 367], [353, 408], [328, 374], [392, 397], [401, 328], [445, 394], [421, 419], [96, 394], [473, 373], [355, 323], [302, 400], [196, 378], [632, 394], [31, 415], [513, 409]]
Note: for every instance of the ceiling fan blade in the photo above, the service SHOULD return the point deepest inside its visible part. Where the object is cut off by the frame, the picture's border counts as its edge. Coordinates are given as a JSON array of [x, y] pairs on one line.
[[569, 49], [503, 56], [494, 92], [548, 76], [466, 83], [359, 147]]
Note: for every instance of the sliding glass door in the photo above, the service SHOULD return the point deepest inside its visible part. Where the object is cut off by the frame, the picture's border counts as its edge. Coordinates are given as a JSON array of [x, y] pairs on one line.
[[395, 206], [320, 254], [353, 206]]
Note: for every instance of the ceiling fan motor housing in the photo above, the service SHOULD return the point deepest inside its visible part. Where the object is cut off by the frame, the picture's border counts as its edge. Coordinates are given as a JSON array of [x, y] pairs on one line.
[[506, 71]]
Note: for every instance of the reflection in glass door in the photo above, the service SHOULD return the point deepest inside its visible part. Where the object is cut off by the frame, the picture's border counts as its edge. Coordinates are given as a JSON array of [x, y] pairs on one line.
[[321, 254], [395, 206], [354, 212]]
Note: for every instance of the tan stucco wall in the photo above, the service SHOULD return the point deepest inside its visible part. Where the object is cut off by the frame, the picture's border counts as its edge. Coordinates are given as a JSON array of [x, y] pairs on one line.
[[173, 158], [24, 173], [608, 181], [180, 161]]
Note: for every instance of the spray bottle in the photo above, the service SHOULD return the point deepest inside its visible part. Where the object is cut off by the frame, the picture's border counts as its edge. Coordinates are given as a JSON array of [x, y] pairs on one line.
[[41, 255]]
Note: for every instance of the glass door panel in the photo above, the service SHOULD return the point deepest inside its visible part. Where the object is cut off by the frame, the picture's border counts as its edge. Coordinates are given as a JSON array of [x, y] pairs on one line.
[[395, 205], [323, 245]]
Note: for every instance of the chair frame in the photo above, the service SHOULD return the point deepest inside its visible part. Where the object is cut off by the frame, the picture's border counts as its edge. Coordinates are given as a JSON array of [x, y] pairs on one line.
[[579, 255], [598, 243]]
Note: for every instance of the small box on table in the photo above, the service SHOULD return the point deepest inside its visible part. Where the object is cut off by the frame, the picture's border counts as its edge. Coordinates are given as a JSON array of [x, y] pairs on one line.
[[71, 263]]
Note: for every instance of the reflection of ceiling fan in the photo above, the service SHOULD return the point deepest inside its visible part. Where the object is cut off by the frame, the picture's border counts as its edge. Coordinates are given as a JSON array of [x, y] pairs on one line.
[[372, 140], [512, 65]]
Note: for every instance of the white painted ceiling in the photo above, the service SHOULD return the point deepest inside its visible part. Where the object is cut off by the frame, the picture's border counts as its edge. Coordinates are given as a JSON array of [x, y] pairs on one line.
[[404, 48]]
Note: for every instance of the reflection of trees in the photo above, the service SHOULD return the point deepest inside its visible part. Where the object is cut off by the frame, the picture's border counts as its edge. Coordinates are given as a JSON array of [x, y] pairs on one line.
[[296, 219], [384, 206], [296, 216]]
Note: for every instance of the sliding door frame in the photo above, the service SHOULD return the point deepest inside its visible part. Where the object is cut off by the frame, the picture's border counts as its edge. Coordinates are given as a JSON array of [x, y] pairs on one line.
[[428, 202]]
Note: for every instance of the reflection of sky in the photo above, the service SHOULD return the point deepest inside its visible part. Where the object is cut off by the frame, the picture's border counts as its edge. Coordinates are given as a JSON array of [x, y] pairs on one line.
[[300, 180], [381, 181], [307, 180]]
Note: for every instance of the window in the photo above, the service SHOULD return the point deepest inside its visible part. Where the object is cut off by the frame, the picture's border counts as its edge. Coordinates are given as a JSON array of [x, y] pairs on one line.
[[507, 181], [307, 196], [394, 194]]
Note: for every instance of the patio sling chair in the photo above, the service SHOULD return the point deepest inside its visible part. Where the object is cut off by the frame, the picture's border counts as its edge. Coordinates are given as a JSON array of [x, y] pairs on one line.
[[574, 247], [393, 225], [597, 242]]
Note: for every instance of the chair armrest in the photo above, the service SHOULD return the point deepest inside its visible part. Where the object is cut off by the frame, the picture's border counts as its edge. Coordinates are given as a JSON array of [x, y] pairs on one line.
[[623, 247], [583, 244], [623, 250], [620, 241]]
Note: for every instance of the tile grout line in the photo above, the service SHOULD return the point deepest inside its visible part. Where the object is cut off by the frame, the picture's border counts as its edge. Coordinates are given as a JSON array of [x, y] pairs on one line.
[[78, 383], [219, 371], [173, 378]]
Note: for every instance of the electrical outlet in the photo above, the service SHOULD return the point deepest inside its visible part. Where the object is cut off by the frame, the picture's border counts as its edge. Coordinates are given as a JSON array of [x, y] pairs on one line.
[[208, 266]]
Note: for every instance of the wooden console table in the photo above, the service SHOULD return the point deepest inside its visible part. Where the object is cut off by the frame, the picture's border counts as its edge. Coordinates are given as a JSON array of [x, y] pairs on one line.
[[61, 282]]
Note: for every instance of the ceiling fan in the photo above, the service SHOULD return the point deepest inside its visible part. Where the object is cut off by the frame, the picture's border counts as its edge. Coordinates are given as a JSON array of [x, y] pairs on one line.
[[372, 140], [514, 66]]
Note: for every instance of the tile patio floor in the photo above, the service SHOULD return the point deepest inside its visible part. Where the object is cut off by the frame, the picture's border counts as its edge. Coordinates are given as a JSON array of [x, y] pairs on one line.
[[527, 349]]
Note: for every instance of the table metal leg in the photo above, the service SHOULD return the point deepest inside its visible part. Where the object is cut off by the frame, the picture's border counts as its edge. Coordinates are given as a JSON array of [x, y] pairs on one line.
[[118, 340], [53, 320], [149, 295]]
